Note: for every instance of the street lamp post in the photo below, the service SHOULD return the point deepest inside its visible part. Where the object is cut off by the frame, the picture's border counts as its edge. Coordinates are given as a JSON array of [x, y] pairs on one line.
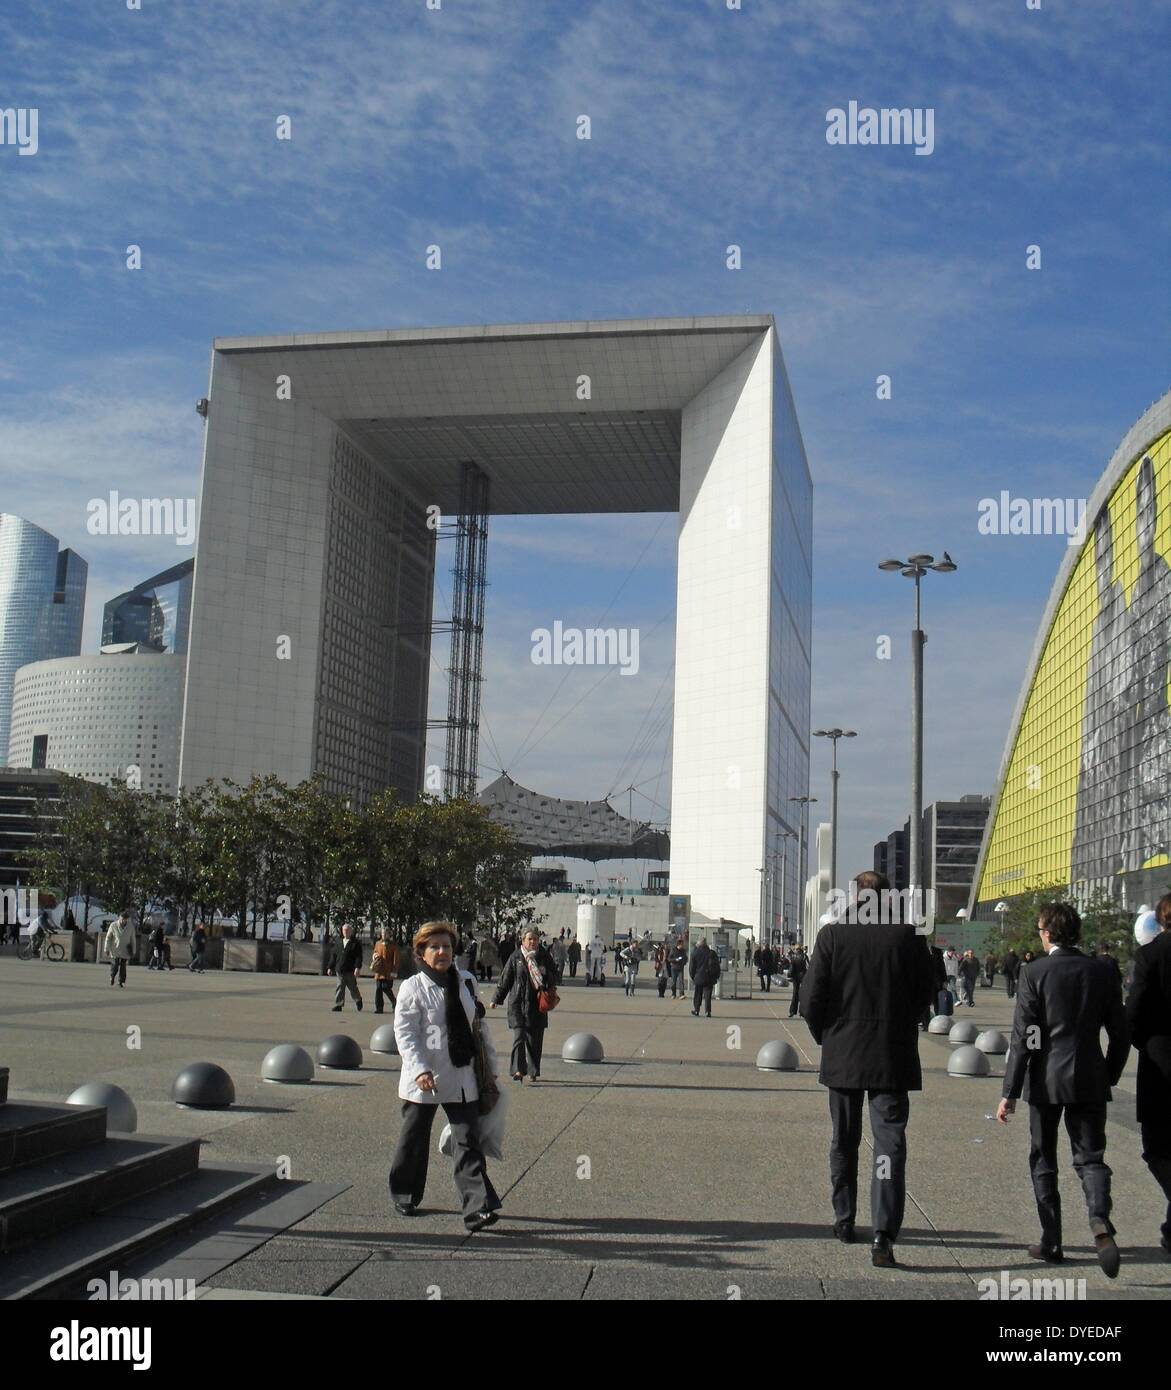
[[915, 568], [805, 802], [833, 735], [1001, 909]]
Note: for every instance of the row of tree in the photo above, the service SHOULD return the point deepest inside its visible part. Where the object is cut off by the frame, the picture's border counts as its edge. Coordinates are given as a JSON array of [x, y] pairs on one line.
[[1104, 922], [268, 852]]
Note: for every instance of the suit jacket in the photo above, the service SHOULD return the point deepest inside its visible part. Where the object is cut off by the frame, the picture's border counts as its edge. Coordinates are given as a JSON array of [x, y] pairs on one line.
[[1067, 998], [862, 997], [1148, 1012]]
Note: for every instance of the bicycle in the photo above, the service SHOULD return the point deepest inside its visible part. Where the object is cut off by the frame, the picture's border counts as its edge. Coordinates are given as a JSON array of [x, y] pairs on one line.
[[38, 945]]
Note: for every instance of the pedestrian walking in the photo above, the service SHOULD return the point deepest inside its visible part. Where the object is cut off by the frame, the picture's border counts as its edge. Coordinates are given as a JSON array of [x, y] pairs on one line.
[[347, 964], [1010, 967], [384, 968], [557, 951], [677, 960], [866, 987], [160, 954], [434, 1020], [798, 968], [662, 968], [198, 948], [630, 958], [969, 973], [573, 956], [951, 963], [121, 945], [488, 959], [989, 970], [529, 973], [1148, 1013], [940, 998], [705, 972], [1064, 1001], [596, 962]]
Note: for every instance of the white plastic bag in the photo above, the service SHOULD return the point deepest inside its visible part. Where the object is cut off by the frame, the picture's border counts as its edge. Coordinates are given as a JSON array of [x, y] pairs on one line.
[[491, 1132]]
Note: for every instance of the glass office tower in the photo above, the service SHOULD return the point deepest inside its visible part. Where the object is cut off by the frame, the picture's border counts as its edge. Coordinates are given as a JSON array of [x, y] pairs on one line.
[[155, 613], [42, 600]]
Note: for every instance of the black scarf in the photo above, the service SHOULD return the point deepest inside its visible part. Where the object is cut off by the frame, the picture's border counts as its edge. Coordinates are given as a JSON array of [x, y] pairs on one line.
[[459, 1030]]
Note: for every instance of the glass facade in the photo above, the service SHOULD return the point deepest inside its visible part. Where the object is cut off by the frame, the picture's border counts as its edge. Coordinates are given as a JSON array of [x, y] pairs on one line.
[[1086, 799], [790, 638], [155, 613], [42, 601]]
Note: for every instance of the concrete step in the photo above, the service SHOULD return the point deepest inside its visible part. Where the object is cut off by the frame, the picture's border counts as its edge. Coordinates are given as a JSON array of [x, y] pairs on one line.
[[102, 1245], [32, 1130], [58, 1192]]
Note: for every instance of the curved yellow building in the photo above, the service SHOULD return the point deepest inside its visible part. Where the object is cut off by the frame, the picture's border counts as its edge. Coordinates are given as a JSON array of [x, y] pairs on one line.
[[1084, 794]]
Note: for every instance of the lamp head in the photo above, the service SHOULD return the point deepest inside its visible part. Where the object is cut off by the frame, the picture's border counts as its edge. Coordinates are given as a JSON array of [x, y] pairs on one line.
[[891, 565]]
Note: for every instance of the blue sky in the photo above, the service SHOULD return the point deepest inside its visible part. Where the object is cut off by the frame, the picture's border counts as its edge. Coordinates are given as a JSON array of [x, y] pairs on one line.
[[457, 126]]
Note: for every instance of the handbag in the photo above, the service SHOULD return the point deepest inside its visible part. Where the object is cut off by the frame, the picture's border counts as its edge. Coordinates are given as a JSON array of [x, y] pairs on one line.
[[547, 1000], [485, 1078]]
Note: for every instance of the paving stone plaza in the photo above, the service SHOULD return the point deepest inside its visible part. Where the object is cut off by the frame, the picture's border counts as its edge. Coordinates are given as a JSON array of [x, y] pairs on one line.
[[672, 1169]]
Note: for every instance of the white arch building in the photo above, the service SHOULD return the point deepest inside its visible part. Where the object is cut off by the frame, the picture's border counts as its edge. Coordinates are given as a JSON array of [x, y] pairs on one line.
[[313, 582]]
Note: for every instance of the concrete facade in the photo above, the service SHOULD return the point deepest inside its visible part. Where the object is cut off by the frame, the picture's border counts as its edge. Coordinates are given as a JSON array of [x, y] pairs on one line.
[[323, 455], [101, 717]]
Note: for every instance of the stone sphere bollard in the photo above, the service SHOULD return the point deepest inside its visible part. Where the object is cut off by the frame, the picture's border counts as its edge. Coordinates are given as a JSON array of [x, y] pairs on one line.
[[968, 1061], [339, 1052], [992, 1041], [382, 1040], [582, 1047], [287, 1064], [777, 1056], [203, 1086], [962, 1033], [121, 1115], [941, 1023]]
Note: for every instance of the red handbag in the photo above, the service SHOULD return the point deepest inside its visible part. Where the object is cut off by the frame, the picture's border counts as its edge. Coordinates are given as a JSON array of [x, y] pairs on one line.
[[547, 1000]]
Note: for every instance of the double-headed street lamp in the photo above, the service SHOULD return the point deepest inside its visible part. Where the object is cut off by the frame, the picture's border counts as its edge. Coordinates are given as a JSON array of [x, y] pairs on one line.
[[804, 802], [915, 568], [834, 735]]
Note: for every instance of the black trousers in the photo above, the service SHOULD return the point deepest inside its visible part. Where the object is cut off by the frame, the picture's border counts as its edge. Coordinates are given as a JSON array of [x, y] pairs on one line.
[[765, 980], [1010, 986], [1086, 1127], [527, 1044], [573, 969], [118, 970], [1157, 1157], [888, 1128], [678, 984], [408, 1170], [969, 988], [796, 1000], [382, 989], [704, 993], [662, 985]]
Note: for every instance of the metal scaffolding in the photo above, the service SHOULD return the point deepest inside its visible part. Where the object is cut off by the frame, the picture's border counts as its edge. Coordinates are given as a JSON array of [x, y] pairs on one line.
[[465, 673]]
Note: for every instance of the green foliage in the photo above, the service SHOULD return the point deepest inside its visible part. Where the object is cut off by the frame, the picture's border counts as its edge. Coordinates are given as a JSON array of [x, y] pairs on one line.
[[268, 850], [1103, 921]]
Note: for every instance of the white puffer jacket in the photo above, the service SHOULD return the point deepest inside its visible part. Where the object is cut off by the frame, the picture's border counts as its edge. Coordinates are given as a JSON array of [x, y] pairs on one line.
[[420, 1031]]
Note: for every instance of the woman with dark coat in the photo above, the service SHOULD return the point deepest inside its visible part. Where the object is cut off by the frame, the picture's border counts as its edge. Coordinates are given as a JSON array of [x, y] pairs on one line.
[[530, 968]]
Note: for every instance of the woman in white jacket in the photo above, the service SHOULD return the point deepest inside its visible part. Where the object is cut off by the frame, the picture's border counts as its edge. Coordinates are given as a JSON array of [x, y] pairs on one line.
[[433, 1029]]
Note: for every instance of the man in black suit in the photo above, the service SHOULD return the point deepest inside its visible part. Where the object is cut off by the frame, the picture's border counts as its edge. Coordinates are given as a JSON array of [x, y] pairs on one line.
[[1064, 999], [1148, 1012], [1011, 966], [798, 969], [867, 983], [705, 971]]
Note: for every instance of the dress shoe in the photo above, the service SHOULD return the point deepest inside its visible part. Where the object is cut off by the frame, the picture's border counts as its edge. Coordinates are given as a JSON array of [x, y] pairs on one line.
[[1107, 1251], [882, 1254], [1051, 1256], [337, 1008], [405, 1208], [359, 1004], [482, 1219], [844, 1230]]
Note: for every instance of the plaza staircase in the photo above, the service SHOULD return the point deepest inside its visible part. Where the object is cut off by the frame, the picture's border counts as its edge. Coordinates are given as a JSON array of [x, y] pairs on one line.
[[78, 1203]]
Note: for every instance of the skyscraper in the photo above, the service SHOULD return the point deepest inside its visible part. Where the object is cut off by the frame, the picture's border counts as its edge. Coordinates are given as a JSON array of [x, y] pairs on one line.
[[42, 599], [155, 613]]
